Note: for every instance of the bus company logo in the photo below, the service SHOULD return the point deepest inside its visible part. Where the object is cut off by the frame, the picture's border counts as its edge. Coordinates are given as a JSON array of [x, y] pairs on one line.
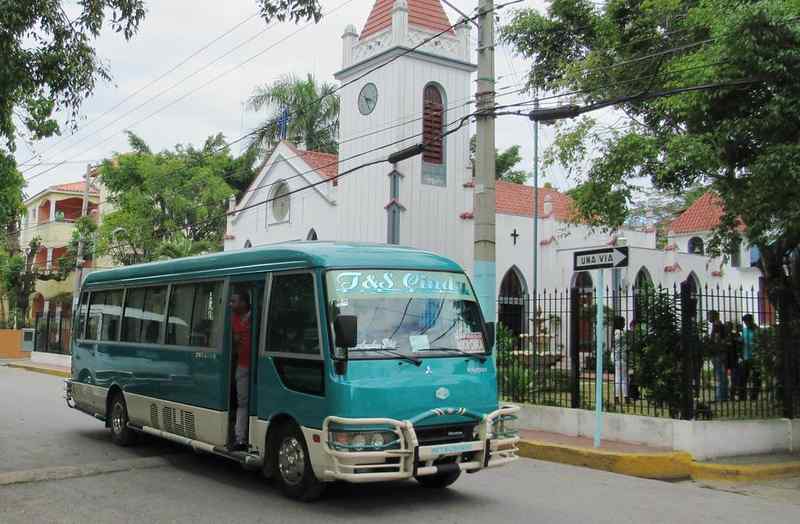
[[442, 393], [394, 282]]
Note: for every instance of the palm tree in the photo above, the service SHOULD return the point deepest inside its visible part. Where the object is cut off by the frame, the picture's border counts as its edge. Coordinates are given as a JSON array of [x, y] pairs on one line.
[[312, 109]]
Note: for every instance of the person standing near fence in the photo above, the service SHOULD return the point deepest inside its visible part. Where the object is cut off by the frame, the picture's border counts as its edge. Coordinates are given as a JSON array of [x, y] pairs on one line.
[[620, 361], [719, 355], [747, 368]]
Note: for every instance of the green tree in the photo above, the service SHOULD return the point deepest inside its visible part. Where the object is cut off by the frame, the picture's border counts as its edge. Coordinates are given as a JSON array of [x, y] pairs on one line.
[[504, 163], [743, 142], [313, 114], [161, 197]]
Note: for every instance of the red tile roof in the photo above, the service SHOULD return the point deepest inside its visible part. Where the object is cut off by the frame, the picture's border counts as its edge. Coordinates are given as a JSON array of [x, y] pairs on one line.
[[428, 14], [74, 187], [325, 164], [703, 215], [517, 199]]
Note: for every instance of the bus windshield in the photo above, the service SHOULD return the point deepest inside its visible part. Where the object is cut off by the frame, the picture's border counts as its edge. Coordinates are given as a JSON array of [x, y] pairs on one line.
[[407, 313]]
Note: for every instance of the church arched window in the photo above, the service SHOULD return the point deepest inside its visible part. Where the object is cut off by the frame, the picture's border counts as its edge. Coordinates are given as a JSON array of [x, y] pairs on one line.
[[696, 246], [433, 159]]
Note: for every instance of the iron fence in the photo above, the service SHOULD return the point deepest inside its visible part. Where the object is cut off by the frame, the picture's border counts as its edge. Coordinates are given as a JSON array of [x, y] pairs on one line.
[[53, 332], [679, 353]]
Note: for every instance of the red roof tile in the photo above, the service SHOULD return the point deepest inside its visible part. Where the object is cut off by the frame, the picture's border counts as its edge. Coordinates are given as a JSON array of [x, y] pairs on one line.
[[428, 14], [325, 164], [74, 187], [703, 215], [517, 199]]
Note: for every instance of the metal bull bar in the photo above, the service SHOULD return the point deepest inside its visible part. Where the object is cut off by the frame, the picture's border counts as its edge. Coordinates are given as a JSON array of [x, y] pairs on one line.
[[404, 457]]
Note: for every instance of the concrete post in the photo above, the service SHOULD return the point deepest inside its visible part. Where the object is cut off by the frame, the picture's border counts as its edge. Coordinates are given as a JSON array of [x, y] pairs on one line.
[[485, 269]]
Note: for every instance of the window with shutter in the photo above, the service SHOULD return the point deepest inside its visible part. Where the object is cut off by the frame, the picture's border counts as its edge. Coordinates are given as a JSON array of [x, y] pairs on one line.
[[433, 122]]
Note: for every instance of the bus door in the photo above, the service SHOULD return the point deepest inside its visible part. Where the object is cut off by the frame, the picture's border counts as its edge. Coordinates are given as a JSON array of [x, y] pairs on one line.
[[246, 303], [291, 365]]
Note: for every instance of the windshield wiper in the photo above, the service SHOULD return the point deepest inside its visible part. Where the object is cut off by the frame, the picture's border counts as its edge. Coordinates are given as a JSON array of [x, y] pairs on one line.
[[481, 357], [414, 360]]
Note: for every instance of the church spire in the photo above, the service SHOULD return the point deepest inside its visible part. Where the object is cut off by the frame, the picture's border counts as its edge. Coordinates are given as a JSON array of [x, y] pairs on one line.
[[425, 14]]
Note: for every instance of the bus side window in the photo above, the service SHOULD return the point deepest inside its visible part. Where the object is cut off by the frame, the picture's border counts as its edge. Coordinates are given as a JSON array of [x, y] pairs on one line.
[[292, 320], [95, 315], [82, 310], [194, 317]]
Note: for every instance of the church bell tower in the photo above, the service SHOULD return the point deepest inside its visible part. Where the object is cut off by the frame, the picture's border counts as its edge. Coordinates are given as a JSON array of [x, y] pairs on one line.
[[404, 85]]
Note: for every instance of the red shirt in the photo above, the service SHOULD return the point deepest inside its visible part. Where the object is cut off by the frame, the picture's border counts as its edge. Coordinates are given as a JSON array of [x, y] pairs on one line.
[[241, 338]]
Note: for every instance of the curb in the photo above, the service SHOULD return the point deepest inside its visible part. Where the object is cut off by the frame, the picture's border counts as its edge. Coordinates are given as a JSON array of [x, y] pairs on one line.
[[743, 473], [670, 465], [37, 369]]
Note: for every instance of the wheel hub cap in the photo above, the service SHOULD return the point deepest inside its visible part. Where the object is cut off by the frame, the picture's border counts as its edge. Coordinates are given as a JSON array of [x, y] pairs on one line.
[[117, 418], [291, 460]]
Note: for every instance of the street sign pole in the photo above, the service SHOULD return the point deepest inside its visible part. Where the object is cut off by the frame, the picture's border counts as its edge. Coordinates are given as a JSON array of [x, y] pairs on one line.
[[598, 378]]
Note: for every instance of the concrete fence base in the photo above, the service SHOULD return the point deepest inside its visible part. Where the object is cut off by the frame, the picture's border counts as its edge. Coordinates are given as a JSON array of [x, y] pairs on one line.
[[702, 439]]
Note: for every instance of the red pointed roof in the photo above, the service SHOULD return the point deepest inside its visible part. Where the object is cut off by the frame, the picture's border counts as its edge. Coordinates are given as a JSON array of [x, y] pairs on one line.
[[428, 14], [326, 164], [703, 215], [517, 199]]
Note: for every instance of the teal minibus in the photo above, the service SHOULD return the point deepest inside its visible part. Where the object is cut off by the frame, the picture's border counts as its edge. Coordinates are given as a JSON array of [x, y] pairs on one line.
[[314, 361]]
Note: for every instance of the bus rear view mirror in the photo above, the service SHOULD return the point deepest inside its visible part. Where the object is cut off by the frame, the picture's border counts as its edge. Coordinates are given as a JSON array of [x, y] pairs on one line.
[[345, 327]]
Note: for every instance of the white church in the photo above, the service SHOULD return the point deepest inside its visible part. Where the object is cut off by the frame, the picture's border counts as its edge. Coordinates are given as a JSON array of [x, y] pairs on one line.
[[427, 201]]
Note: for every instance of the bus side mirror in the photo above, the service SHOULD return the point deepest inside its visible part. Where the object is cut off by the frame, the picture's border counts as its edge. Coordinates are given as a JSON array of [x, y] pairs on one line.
[[345, 328], [490, 333]]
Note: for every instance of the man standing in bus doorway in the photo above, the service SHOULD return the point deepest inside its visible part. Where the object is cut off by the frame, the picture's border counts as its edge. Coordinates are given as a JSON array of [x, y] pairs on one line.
[[240, 328]]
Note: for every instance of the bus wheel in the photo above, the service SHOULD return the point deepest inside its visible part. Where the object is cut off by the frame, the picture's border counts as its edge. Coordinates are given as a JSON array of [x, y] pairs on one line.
[[291, 465], [121, 434], [438, 481]]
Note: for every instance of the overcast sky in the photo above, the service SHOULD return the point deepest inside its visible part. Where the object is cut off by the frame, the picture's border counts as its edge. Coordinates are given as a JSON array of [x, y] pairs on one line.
[[187, 112]]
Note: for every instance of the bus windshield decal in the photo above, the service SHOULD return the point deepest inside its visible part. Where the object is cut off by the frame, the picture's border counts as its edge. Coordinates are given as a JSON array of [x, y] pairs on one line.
[[418, 284]]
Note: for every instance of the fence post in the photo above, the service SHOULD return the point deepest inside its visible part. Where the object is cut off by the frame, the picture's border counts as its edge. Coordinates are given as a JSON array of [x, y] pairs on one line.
[[575, 361], [688, 305], [785, 337]]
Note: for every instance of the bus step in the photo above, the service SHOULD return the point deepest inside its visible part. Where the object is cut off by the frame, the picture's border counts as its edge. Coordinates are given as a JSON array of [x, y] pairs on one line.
[[250, 460]]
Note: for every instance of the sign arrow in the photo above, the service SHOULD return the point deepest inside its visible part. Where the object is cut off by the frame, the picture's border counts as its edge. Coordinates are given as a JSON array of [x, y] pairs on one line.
[[605, 258]]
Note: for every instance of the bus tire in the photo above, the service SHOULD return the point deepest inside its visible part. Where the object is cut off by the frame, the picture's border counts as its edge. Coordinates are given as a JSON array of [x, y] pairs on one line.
[[121, 434], [291, 464], [438, 481]]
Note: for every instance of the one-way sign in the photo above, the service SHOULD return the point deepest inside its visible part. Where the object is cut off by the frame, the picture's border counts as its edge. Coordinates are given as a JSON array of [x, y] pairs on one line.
[[601, 258]]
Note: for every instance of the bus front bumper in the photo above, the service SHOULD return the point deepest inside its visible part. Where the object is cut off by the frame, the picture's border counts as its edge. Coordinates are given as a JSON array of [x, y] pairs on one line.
[[491, 446]]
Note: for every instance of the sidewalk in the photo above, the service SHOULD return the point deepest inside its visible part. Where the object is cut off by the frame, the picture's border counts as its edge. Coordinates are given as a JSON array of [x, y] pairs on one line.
[[654, 463], [25, 363]]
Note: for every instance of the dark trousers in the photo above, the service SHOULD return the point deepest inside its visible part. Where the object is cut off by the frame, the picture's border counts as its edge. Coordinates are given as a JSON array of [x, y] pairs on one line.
[[745, 372]]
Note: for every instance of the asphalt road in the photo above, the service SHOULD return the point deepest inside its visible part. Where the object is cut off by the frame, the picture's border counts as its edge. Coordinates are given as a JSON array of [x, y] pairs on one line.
[[58, 465]]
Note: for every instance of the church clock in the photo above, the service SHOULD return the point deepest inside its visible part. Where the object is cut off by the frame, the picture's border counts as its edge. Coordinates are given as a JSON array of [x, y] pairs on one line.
[[367, 98]]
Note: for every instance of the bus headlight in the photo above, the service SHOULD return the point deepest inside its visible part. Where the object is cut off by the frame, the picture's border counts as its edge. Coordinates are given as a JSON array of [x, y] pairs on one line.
[[363, 440]]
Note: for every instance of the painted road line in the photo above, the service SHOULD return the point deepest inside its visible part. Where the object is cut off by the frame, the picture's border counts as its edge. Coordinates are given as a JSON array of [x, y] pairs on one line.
[[84, 470]]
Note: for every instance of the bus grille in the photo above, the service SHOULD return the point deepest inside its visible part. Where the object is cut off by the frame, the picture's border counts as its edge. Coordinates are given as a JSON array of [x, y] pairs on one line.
[[154, 416], [179, 422], [444, 434]]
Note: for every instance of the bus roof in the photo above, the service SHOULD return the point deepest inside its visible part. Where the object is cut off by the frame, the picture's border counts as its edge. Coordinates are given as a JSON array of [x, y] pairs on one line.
[[273, 257]]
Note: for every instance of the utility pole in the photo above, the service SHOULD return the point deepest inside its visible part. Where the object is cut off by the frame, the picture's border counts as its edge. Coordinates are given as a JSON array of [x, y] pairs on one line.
[[484, 248], [535, 213], [79, 254]]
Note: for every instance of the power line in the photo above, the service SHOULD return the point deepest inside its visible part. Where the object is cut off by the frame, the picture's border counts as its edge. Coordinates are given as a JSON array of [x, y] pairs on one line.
[[192, 91], [152, 82], [319, 99]]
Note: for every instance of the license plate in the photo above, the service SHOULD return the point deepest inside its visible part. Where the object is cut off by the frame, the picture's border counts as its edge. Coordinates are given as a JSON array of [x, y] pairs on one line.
[[460, 447]]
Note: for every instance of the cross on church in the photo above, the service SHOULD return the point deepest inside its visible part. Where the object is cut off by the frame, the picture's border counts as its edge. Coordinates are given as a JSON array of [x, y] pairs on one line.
[[515, 236]]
